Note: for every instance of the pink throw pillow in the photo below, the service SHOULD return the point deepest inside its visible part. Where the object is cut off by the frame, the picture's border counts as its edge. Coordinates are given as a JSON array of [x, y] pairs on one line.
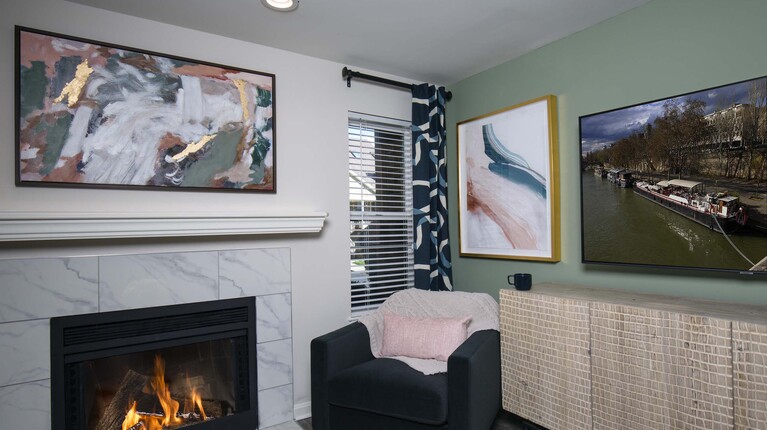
[[428, 338]]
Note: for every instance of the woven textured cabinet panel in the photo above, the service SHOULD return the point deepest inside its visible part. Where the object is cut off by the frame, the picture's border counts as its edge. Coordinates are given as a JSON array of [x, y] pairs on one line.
[[545, 361], [658, 370], [749, 362], [656, 362]]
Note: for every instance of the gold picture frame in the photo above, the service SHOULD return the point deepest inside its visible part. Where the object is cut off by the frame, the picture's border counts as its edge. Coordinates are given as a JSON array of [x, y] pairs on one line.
[[508, 189]]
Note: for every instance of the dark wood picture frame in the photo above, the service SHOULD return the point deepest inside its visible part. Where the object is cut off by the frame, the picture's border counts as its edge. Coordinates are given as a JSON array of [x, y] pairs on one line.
[[98, 115]]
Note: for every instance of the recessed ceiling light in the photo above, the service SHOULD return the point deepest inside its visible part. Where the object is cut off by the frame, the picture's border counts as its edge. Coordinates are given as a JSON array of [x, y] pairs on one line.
[[281, 5]]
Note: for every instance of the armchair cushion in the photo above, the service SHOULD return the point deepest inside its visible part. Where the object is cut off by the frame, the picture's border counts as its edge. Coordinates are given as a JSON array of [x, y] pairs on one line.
[[434, 338], [391, 387], [412, 302]]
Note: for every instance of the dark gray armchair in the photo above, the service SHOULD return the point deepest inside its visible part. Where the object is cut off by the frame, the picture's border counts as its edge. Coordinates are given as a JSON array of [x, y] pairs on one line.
[[352, 390]]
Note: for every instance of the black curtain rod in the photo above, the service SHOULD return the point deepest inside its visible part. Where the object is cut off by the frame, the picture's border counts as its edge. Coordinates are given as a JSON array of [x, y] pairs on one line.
[[349, 74]]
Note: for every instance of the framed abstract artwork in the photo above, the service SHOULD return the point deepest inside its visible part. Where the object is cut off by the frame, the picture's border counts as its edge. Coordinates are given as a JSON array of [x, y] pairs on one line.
[[509, 183], [92, 114]]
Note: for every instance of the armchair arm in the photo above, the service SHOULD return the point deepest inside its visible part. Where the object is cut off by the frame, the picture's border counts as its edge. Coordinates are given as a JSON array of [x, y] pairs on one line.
[[331, 353], [474, 382]]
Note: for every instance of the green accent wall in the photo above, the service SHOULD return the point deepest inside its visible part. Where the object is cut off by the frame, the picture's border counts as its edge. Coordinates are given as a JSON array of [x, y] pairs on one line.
[[660, 49]]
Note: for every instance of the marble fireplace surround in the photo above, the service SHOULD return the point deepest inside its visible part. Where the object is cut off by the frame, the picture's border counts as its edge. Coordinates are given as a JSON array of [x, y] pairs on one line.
[[35, 289]]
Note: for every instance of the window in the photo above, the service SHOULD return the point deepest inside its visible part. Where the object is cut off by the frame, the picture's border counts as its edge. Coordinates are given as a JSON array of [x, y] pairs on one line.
[[381, 209]]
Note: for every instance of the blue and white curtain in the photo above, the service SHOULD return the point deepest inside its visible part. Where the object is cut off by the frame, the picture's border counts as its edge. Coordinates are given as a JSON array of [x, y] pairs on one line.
[[433, 270]]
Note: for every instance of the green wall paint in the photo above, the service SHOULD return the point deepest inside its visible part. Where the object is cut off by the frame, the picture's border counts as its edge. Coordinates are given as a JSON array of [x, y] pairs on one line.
[[663, 48]]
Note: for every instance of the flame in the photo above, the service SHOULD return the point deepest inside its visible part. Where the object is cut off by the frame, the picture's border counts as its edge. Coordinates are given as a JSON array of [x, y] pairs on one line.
[[197, 400], [146, 422], [170, 407], [193, 400], [131, 418]]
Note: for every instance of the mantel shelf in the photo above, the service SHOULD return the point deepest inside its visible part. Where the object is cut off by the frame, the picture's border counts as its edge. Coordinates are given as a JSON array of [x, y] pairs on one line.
[[36, 226]]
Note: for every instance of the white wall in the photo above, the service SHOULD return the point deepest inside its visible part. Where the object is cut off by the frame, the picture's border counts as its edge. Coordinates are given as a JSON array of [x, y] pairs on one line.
[[312, 102]]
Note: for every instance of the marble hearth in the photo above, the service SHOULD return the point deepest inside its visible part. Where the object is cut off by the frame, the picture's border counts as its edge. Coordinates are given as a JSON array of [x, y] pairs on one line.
[[34, 290]]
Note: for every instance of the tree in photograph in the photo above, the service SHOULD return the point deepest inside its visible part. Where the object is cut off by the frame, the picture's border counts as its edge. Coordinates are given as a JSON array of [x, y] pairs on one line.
[[754, 129], [622, 153], [660, 143], [679, 136], [593, 158], [644, 154], [606, 155], [693, 136]]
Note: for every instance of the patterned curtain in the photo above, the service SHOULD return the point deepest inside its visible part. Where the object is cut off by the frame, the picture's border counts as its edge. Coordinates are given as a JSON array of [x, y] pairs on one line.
[[433, 270]]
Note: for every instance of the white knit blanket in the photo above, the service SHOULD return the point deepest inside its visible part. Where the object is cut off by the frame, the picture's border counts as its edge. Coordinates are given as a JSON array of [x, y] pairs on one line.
[[482, 309]]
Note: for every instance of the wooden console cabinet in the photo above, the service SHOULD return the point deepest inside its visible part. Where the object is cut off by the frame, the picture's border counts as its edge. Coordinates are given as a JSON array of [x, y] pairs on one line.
[[583, 358]]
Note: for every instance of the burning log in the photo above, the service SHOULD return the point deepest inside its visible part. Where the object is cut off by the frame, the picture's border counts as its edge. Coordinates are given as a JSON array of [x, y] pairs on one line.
[[213, 408], [114, 414], [196, 383], [147, 403]]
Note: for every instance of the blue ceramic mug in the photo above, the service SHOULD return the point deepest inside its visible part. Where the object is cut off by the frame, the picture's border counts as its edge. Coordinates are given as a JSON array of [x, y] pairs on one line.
[[521, 281]]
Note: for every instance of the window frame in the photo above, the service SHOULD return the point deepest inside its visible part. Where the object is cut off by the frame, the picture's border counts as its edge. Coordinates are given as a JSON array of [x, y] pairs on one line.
[[380, 209]]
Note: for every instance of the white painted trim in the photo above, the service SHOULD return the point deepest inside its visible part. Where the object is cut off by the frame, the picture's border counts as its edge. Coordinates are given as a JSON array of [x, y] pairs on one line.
[[29, 226], [302, 410]]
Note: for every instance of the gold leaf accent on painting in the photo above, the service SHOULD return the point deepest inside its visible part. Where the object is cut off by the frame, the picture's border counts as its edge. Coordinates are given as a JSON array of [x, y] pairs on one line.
[[73, 89], [240, 84], [194, 147]]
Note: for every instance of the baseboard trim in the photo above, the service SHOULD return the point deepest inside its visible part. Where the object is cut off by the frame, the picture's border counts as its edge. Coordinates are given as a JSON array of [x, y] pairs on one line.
[[302, 410]]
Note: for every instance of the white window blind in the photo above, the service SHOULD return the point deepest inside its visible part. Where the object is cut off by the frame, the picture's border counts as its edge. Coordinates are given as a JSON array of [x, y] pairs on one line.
[[381, 209]]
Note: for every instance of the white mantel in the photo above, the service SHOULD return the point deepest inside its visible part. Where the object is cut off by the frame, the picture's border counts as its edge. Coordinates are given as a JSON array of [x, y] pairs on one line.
[[34, 226]]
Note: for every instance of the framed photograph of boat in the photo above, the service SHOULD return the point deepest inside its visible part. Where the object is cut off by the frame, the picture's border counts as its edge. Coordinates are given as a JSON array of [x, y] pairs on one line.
[[508, 173], [93, 114], [679, 182]]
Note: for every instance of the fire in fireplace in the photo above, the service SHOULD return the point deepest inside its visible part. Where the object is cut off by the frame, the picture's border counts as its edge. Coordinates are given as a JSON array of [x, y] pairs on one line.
[[156, 368], [134, 391]]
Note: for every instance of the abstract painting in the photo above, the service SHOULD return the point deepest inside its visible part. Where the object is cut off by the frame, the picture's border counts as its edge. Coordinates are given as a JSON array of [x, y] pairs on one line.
[[509, 183], [91, 114]]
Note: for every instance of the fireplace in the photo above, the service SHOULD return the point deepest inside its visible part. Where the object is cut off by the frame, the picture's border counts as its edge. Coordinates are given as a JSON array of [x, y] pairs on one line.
[[168, 367]]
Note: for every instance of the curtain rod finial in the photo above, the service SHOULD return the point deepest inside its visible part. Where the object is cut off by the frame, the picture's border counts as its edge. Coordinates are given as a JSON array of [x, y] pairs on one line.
[[347, 74]]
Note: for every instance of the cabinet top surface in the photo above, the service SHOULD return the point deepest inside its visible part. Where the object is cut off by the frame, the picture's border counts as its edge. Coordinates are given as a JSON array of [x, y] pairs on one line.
[[731, 311]]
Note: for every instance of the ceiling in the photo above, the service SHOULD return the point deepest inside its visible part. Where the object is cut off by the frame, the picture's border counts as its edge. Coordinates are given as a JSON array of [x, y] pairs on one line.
[[437, 41]]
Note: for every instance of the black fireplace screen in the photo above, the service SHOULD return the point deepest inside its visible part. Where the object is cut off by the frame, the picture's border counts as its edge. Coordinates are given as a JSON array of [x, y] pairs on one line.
[[155, 368], [157, 389]]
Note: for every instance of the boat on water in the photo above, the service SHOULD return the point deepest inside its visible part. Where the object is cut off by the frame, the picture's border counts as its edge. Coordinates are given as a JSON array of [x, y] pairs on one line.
[[717, 211], [612, 174], [600, 172], [625, 179], [621, 177]]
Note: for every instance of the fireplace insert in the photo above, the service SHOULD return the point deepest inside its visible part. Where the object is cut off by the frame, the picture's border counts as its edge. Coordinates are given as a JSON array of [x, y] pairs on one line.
[[167, 367]]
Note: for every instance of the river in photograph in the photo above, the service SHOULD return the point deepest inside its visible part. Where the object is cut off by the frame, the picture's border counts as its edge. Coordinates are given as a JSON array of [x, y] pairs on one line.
[[623, 227]]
